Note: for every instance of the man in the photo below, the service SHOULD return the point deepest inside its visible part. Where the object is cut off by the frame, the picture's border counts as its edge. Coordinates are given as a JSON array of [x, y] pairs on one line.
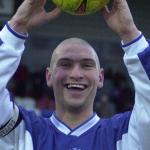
[[75, 75]]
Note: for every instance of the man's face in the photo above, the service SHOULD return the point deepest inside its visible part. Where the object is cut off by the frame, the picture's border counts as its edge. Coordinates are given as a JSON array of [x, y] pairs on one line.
[[75, 76]]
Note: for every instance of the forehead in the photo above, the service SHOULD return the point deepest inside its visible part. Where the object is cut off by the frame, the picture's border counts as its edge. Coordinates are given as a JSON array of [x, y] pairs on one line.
[[75, 51]]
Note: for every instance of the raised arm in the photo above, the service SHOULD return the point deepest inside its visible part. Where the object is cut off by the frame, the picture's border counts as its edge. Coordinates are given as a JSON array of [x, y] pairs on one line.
[[12, 37], [119, 19], [136, 58], [30, 14]]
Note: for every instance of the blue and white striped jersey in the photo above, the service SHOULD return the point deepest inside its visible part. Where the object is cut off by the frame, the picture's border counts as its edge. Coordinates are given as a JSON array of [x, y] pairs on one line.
[[24, 130]]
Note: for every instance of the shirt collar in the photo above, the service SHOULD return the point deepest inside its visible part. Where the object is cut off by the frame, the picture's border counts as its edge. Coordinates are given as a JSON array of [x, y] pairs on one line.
[[76, 131]]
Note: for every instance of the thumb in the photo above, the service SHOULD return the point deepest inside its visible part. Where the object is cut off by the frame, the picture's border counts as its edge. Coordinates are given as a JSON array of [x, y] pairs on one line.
[[53, 14], [105, 12]]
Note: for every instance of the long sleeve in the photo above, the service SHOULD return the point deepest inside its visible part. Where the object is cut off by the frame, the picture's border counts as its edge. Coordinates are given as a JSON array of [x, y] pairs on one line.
[[11, 49], [136, 58]]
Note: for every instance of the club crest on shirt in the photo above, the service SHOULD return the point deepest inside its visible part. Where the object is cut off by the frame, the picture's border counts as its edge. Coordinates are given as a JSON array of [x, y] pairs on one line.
[[74, 148]]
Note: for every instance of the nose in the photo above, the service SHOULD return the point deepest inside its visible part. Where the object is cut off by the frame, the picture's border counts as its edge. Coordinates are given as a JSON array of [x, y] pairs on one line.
[[76, 73]]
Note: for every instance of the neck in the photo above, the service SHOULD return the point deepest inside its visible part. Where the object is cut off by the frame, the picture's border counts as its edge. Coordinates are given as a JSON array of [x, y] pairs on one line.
[[73, 118]]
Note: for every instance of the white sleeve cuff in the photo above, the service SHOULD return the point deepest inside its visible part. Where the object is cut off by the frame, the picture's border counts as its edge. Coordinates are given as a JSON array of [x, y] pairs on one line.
[[12, 38], [136, 46], [19, 35]]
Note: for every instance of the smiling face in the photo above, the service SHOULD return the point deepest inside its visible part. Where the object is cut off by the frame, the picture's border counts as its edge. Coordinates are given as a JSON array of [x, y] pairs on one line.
[[74, 75]]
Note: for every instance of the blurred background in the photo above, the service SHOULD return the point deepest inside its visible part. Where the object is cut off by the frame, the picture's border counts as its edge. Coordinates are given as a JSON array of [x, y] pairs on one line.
[[28, 85]]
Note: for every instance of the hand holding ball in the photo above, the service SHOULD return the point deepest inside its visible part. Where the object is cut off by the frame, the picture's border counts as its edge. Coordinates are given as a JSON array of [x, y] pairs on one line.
[[80, 7]]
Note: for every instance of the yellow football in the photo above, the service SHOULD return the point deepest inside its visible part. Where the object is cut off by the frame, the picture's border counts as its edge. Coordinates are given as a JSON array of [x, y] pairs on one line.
[[80, 7]]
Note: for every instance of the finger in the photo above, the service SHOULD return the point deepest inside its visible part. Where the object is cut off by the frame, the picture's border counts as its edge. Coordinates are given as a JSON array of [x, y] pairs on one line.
[[119, 4], [105, 12], [54, 13], [42, 2]]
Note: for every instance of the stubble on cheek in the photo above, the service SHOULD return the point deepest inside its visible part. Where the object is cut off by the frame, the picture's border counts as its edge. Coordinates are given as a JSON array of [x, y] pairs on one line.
[[59, 78]]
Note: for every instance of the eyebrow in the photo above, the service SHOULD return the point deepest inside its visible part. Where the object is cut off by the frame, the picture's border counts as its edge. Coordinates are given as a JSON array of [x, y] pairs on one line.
[[64, 59], [82, 60], [69, 59], [88, 60]]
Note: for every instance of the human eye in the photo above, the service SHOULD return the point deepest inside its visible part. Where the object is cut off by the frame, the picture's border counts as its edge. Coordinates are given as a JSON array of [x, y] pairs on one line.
[[64, 63], [88, 64]]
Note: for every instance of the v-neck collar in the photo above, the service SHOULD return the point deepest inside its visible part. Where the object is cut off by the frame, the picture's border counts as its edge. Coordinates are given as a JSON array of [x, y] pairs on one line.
[[82, 128]]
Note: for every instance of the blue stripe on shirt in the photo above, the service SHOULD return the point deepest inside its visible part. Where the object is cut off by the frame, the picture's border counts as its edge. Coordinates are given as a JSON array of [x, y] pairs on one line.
[[145, 60]]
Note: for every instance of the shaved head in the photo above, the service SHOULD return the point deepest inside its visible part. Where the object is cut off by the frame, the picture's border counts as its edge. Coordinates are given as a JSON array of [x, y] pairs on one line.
[[74, 62], [68, 42]]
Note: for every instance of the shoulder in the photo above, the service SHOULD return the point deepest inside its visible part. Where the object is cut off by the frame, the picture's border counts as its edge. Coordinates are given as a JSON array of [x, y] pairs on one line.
[[116, 126], [117, 120], [33, 120], [121, 120]]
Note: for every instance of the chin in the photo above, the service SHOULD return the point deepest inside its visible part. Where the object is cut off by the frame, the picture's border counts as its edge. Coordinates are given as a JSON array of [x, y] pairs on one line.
[[75, 108], [75, 104]]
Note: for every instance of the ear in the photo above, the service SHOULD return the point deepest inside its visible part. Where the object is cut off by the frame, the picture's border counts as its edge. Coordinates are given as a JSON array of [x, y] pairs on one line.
[[101, 78], [48, 74]]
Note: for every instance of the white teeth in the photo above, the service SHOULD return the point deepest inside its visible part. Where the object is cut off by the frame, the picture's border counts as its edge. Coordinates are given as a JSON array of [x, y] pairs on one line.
[[75, 86]]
